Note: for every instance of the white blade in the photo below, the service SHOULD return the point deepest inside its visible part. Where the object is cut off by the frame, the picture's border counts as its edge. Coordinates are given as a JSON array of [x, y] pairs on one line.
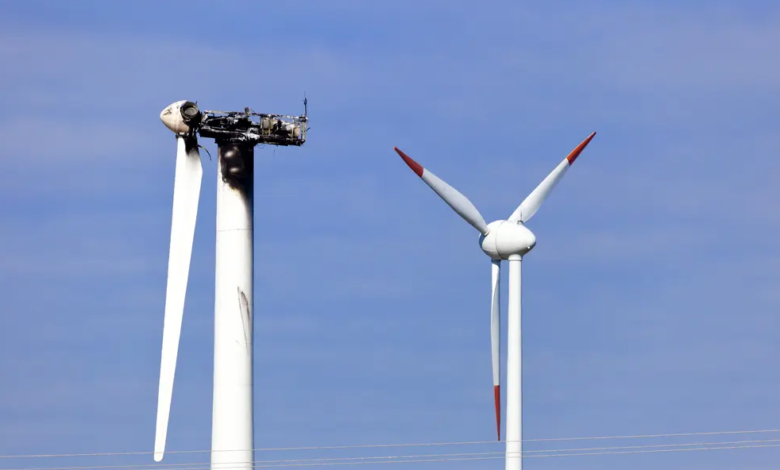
[[186, 192], [531, 204], [495, 341], [451, 196]]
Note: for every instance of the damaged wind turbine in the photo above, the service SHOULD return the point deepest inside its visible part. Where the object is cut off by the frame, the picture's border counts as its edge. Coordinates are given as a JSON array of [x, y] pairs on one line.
[[236, 134]]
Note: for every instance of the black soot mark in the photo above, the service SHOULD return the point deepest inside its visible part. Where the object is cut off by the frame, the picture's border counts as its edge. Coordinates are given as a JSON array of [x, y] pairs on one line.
[[238, 166], [246, 316], [190, 144]]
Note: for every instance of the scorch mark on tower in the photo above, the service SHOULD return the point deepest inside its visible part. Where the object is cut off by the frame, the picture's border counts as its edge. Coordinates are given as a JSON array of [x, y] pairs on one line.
[[238, 166]]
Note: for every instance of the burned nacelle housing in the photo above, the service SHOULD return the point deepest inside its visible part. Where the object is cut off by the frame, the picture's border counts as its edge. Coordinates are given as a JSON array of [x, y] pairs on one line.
[[254, 128]]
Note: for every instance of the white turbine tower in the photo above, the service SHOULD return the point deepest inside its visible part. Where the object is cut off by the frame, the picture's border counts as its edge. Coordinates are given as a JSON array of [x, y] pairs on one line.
[[236, 136], [504, 240]]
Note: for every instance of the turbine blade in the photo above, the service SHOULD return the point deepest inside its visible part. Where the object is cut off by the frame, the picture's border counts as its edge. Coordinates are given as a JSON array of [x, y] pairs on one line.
[[451, 196], [531, 204], [186, 193], [495, 342]]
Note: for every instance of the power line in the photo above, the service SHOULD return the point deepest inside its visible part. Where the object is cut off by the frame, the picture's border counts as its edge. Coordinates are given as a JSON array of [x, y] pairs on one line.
[[256, 463], [498, 457], [651, 436], [649, 446], [656, 451], [570, 452], [375, 446], [464, 457]]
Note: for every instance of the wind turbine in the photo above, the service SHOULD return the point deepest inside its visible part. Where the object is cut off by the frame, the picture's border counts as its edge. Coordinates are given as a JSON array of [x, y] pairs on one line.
[[236, 135], [503, 240]]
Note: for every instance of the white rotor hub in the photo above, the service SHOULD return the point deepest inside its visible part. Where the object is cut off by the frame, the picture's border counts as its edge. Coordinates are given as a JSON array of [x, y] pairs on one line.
[[506, 238], [177, 115]]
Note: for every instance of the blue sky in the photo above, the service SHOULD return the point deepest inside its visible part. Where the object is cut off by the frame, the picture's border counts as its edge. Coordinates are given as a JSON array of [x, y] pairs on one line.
[[649, 302]]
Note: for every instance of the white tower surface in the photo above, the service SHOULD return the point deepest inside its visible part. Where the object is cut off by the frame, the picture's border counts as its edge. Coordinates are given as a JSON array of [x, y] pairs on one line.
[[232, 438], [231, 435], [504, 240]]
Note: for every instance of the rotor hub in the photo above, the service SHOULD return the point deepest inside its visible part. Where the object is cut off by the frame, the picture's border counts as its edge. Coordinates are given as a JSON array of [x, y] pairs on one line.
[[506, 238], [180, 117]]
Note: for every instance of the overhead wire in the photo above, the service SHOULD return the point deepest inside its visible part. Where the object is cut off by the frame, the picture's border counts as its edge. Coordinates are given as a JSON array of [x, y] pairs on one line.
[[331, 461], [464, 457], [655, 451], [195, 465], [376, 446]]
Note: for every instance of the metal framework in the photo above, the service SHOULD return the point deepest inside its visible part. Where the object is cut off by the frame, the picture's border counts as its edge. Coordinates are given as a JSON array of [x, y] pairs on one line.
[[247, 126]]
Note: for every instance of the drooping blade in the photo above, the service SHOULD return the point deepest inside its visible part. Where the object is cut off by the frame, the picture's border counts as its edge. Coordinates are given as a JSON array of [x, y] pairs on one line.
[[451, 196], [495, 342], [531, 204], [186, 193]]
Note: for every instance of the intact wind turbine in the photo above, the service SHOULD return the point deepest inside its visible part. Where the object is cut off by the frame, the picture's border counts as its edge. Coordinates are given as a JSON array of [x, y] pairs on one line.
[[236, 135], [503, 240]]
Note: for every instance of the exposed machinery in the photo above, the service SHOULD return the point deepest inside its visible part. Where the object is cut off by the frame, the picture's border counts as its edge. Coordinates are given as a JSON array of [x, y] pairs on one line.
[[238, 126]]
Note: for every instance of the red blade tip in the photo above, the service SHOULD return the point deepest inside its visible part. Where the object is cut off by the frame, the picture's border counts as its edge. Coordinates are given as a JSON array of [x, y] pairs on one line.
[[497, 398], [416, 167], [578, 150]]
